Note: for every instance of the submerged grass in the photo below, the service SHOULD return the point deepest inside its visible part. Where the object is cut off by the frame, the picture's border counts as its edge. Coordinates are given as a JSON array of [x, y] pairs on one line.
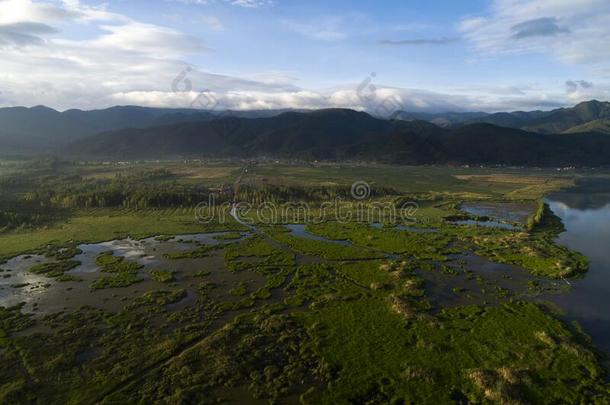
[[162, 276], [125, 272], [55, 270]]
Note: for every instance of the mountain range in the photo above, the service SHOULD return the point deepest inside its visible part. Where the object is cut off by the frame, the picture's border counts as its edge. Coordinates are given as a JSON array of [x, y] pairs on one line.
[[41, 129], [341, 134], [584, 117], [44, 130], [577, 136]]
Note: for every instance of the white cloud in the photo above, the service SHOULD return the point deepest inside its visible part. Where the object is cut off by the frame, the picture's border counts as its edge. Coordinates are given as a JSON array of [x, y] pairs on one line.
[[250, 3], [39, 67], [572, 31], [213, 23], [147, 39], [324, 29], [383, 101], [126, 61], [240, 3], [16, 11]]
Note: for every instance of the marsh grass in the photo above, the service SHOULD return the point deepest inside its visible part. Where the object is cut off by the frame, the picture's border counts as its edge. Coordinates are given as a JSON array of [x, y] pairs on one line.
[[55, 270], [162, 276]]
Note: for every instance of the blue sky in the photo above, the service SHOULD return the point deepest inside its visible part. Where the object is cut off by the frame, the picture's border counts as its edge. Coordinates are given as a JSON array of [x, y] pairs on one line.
[[439, 55]]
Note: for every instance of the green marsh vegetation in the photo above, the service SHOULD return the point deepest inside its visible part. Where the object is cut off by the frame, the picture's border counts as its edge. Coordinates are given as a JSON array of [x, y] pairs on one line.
[[125, 273], [229, 236], [93, 203], [420, 245], [117, 281], [534, 250], [162, 276], [268, 315], [256, 252], [199, 252], [109, 263], [54, 269], [323, 249]]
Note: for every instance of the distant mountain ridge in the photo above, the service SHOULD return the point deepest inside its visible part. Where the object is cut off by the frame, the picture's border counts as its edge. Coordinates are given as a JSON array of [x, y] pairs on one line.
[[562, 137], [41, 129], [348, 135], [321, 133], [560, 120]]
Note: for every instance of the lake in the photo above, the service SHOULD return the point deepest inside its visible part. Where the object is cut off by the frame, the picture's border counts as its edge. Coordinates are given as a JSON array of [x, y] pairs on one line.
[[587, 221]]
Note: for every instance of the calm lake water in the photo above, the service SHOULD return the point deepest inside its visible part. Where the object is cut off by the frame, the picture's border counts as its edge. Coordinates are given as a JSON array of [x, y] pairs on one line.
[[587, 222], [504, 211]]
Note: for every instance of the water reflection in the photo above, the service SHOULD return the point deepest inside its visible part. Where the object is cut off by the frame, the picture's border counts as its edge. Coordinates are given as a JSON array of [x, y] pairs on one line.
[[487, 224], [19, 285], [300, 231], [588, 231], [502, 211]]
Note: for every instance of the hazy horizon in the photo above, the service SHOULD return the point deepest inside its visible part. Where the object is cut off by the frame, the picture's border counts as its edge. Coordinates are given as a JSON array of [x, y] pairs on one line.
[[194, 108]]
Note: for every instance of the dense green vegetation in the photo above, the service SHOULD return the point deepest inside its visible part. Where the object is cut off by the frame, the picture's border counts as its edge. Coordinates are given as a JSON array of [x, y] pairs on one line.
[[125, 273], [469, 353], [115, 264], [162, 276], [119, 280], [433, 245], [537, 217], [140, 190], [346, 312], [535, 251], [319, 248], [54, 269]]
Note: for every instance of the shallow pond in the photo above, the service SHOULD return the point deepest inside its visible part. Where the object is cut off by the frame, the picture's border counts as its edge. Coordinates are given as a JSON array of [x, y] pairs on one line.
[[476, 280], [146, 252], [17, 284], [46, 295]]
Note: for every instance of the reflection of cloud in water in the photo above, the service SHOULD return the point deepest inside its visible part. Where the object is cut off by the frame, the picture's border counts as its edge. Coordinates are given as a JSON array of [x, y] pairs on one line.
[[588, 232], [502, 211], [141, 251], [127, 248], [130, 249], [19, 266], [559, 208]]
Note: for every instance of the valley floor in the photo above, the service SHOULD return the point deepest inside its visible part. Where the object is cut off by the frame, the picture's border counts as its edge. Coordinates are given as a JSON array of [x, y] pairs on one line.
[[120, 284]]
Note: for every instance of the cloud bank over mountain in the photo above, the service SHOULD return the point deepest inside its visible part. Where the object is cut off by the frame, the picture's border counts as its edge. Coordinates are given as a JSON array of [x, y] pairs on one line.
[[68, 54]]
